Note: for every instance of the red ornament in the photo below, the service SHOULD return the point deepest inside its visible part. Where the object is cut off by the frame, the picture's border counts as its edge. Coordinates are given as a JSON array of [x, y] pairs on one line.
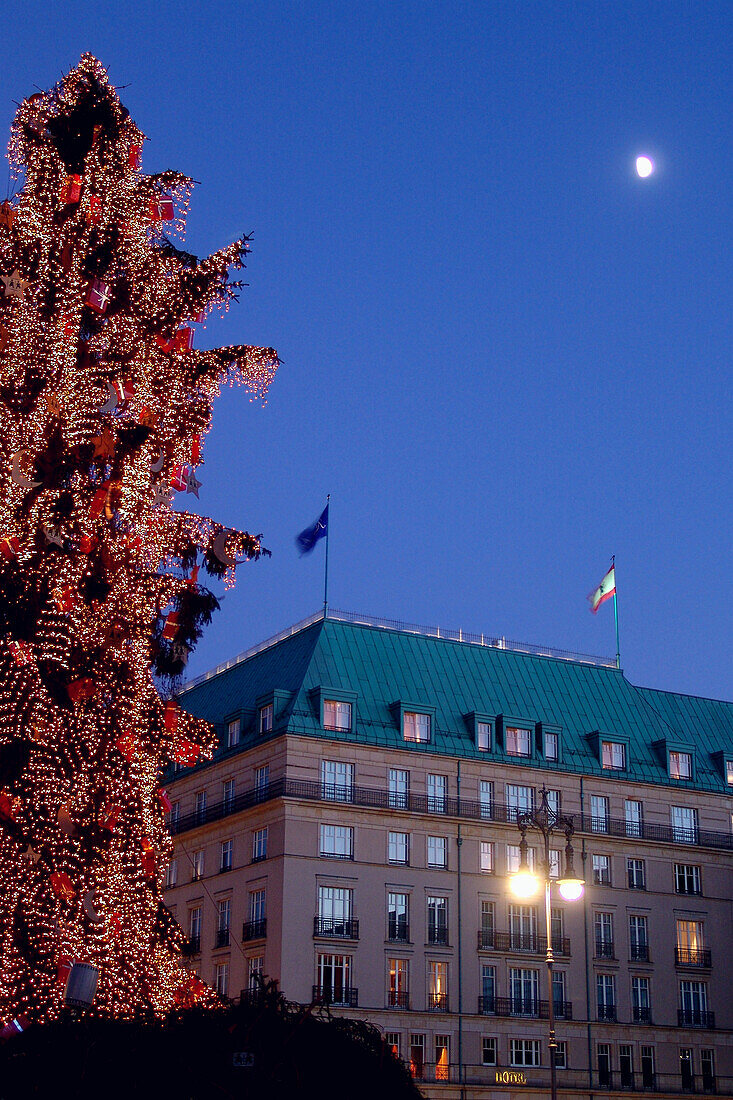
[[186, 753], [98, 501], [171, 626], [194, 578], [183, 340], [21, 652], [164, 800], [7, 215], [63, 968], [87, 544], [134, 156], [165, 343], [161, 209], [62, 886], [97, 296], [15, 1027], [94, 210], [196, 451], [179, 479], [8, 806], [63, 598], [127, 743], [71, 190], [148, 857], [110, 815], [170, 716], [81, 689], [9, 548]]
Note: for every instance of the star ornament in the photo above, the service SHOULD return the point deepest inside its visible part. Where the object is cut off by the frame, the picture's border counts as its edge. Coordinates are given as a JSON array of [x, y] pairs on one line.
[[15, 287], [192, 484], [162, 498], [30, 854]]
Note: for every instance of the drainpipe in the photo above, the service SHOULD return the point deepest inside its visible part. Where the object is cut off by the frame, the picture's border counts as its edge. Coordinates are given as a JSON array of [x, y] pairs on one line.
[[584, 857], [459, 844]]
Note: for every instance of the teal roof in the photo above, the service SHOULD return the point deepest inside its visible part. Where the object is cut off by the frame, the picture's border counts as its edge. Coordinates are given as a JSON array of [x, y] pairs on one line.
[[387, 666]]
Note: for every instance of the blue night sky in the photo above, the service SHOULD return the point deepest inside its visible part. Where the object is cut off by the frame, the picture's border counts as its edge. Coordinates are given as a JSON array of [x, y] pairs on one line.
[[504, 354]]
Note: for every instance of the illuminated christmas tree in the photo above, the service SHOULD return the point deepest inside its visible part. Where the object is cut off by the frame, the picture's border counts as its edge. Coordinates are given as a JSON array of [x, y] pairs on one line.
[[103, 408]]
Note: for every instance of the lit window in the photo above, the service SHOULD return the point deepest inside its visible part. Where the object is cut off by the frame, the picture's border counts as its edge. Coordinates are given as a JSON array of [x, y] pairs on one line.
[[437, 851], [415, 727], [601, 870], [680, 765], [684, 824], [524, 1052], [337, 841], [336, 715], [438, 985], [222, 979], [483, 736], [171, 877], [227, 849], [488, 1050], [259, 844], [233, 733], [255, 970], [613, 754], [266, 716], [399, 847], [393, 1041], [398, 974], [555, 862], [729, 772], [442, 1057], [513, 858], [197, 865], [517, 741], [487, 855], [337, 781], [552, 746]]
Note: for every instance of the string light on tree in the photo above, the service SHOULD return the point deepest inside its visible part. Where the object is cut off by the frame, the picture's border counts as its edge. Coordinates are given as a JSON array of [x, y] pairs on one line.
[[103, 401]]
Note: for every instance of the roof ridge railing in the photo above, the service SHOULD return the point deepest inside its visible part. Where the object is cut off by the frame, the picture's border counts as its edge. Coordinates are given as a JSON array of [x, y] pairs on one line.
[[491, 641]]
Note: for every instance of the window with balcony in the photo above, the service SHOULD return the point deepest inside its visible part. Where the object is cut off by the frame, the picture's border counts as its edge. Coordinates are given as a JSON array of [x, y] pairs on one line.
[[603, 1062], [483, 736], [486, 797], [171, 875], [487, 915], [690, 946], [552, 746], [525, 1052], [233, 733], [417, 1056], [175, 815], [334, 979], [648, 1067], [442, 1057], [489, 1055], [337, 781], [626, 1065], [517, 742], [557, 929], [634, 817], [523, 927], [194, 928], [601, 870], [437, 919], [487, 1002], [337, 841], [519, 800], [613, 755], [197, 865], [486, 856], [603, 924], [641, 1005], [262, 781], [336, 715], [265, 718], [199, 807], [223, 921], [226, 855], [553, 801], [687, 1073], [399, 788], [437, 788], [259, 845], [638, 938], [599, 815], [555, 863], [513, 858], [684, 824], [227, 790], [636, 873], [393, 1039], [398, 917], [255, 970], [559, 994], [680, 765], [256, 926], [416, 727], [523, 991], [694, 1005], [398, 847], [221, 979], [335, 912], [398, 978], [687, 879], [437, 851], [707, 1067], [606, 996], [437, 985]]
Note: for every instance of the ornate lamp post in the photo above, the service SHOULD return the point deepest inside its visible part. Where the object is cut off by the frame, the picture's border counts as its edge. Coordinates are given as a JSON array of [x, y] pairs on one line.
[[525, 884]]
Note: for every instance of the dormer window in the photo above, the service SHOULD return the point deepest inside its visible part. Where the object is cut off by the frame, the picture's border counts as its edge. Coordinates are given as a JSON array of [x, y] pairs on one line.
[[265, 718], [680, 765], [415, 726], [336, 715], [517, 741], [483, 736], [613, 755], [552, 746], [729, 772]]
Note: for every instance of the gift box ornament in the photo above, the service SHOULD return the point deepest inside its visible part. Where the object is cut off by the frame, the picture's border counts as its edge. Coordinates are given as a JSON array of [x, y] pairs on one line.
[[71, 190], [9, 548], [171, 625], [179, 479], [161, 209], [21, 653], [94, 210], [98, 296], [183, 340], [134, 156], [62, 886], [147, 858], [7, 215], [79, 690]]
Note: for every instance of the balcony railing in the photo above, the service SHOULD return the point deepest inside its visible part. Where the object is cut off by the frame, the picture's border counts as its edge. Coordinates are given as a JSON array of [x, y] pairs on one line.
[[254, 929], [397, 1000], [330, 926], [524, 1006], [491, 940], [222, 937], [192, 946], [693, 956], [607, 1012], [695, 1017], [605, 949], [437, 935], [326, 995], [639, 952], [415, 803], [641, 1014], [398, 932], [438, 1002]]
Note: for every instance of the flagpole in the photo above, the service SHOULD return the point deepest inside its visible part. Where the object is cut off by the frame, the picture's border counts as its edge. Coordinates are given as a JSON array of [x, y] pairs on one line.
[[325, 579], [615, 611]]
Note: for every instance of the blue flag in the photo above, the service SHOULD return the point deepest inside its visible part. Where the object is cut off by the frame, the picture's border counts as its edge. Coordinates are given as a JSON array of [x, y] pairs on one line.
[[307, 539]]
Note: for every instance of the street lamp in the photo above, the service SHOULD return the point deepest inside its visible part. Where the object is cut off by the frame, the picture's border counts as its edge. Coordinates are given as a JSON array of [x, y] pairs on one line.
[[525, 884]]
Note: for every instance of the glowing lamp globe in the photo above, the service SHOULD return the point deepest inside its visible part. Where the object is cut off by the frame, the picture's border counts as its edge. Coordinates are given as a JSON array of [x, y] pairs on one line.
[[644, 167], [571, 888], [524, 884]]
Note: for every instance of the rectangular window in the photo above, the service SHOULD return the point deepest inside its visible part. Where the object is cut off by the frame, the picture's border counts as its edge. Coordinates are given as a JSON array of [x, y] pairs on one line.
[[638, 938], [559, 993], [513, 858], [336, 715], [601, 870], [437, 788], [228, 794], [398, 917], [334, 978], [680, 765], [442, 1057], [613, 755], [437, 920], [552, 746], [194, 925], [525, 1052], [257, 906], [555, 862], [393, 1041], [603, 924], [687, 879], [729, 772], [262, 780], [647, 1067], [487, 855], [233, 733], [487, 923], [175, 815], [399, 788], [437, 851], [417, 1056], [626, 1065], [259, 844], [255, 970], [483, 736], [636, 872], [398, 973], [486, 797], [598, 813], [200, 806], [606, 996], [265, 718], [223, 919], [561, 1054], [398, 845], [519, 800], [438, 985], [557, 929], [640, 1000], [684, 824], [523, 927], [603, 1054], [227, 851], [335, 904], [337, 841], [488, 988], [488, 1050], [553, 801], [687, 1075], [707, 1066], [197, 865], [634, 817], [416, 727], [690, 947], [517, 741], [171, 876], [337, 781], [523, 991], [222, 979]]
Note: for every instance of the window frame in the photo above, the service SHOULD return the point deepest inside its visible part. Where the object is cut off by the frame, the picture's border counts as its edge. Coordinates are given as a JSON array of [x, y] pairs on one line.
[[443, 843], [393, 859]]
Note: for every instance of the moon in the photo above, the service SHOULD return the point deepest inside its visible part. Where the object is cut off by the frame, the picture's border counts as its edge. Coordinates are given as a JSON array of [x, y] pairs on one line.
[[18, 477], [218, 548], [111, 404], [157, 466], [88, 903], [644, 167]]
